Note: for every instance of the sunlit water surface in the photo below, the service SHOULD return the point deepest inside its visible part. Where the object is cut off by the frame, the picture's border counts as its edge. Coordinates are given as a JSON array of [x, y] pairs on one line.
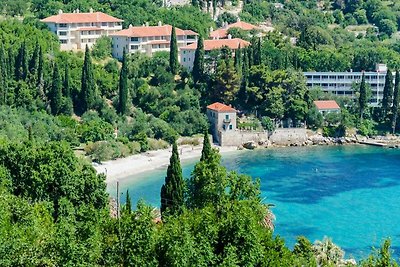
[[348, 193]]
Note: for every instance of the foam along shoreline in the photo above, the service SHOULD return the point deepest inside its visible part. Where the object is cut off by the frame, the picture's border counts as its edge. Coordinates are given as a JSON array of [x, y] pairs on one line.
[[122, 168]]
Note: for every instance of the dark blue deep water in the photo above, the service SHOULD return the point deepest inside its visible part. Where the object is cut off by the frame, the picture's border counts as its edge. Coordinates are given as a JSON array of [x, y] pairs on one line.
[[348, 193]]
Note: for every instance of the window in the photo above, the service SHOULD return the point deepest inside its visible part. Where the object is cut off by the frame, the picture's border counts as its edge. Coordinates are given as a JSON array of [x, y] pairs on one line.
[[224, 127], [134, 47], [134, 39], [64, 41], [104, 24], [230, 127], [184, 52], [227, 117], [62, 25], [63, 33], [184, 59]]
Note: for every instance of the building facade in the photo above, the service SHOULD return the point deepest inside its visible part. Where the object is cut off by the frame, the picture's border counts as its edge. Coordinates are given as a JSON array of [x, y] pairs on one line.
[[76, 30], [222, 118], [187, 53], [149, 39], [342, 83]]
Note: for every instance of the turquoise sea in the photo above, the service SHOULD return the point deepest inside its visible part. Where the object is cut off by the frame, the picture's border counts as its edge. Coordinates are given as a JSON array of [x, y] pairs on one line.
[[348, 193]]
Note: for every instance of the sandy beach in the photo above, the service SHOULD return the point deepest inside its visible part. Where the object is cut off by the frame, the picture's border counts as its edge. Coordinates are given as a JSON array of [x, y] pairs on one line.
[[148, 161]]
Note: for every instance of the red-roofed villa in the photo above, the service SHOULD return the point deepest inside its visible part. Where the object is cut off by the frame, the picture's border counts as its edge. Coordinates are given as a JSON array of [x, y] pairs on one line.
[[149, 39], [187, 52], [222, 33], [222, 119], [76, 30], [327, 106]]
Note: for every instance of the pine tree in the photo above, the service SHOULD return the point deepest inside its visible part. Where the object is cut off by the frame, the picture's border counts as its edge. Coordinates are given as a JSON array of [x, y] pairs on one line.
[[387, 99], [123, 86], [198, 63], [56, 92], [87, 86], [128, 203], [396, 99], [67, 82], [206, 151], [363, 99], [173, 54], [3, 77], [172, 198]]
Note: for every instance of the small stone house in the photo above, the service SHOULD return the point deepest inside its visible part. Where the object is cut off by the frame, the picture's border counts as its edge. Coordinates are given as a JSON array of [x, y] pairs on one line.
[[327, 106], [222, 118]]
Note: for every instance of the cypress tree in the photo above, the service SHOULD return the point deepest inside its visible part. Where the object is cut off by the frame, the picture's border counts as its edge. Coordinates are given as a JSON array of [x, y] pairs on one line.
[[56, 93], [10, 62], [396, 99], [198, 63], [3, 76], [173, 54], [387, 99], [21, 64], [40, 74], [128, 203], [172, 190], [123, 86], [238, 60], [34, 60], [206, 151], [67, 82], [363, 101], [87, 85], [257, 52]]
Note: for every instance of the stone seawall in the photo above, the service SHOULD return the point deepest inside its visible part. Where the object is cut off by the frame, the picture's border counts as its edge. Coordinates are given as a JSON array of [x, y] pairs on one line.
[[287, 136], [238, 138]]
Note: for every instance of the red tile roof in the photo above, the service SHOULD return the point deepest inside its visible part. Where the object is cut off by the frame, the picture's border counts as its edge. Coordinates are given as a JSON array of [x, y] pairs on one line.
[[223, 32], [145, 31], [219, 107], [81, 18], [218, 44], [326, 104]]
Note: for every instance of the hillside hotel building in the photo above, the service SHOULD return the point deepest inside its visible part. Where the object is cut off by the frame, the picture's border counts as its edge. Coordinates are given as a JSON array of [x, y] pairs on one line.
[[341, 83], [76, 30], [149, 39]]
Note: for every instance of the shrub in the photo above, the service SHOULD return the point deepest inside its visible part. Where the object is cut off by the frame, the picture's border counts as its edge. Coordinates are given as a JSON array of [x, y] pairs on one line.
[[155, 144], [106, 150]]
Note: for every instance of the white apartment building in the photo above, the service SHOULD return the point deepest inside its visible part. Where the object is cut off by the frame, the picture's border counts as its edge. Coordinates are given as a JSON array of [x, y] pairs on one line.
[[149, 39], [187, 53], [76, 30], [341, 83]]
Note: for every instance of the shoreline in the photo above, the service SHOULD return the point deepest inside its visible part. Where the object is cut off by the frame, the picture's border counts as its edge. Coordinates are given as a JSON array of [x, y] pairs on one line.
[[124, 168], [121, 169]]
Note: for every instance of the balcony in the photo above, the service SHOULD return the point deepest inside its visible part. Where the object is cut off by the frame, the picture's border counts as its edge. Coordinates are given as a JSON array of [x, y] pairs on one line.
[[227, 120]]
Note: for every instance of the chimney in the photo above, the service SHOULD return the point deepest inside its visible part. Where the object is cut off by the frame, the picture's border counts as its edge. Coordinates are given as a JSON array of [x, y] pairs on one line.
[[159, 23], [229, 36], [238, 19], [211, 29], [130, 26], [60, 11], [147, 24], [91, 10], [77, 10]]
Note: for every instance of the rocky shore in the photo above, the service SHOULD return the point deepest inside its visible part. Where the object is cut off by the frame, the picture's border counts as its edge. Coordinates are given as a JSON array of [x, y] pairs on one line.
[[320, 140]]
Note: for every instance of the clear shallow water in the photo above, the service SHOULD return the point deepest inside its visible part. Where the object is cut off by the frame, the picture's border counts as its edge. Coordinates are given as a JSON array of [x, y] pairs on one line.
[[349, 193]]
